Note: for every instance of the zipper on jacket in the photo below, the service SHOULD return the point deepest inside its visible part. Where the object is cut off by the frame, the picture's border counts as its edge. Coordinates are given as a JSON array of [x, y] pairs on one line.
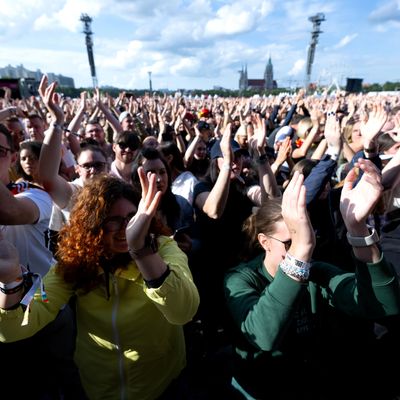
[[123, 395]]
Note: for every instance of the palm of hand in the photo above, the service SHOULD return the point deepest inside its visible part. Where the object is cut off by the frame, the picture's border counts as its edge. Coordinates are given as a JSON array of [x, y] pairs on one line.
[[357, 203]]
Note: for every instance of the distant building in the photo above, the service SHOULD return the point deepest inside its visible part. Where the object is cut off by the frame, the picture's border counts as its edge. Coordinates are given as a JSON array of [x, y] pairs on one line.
[[258, 84], [20, 71]]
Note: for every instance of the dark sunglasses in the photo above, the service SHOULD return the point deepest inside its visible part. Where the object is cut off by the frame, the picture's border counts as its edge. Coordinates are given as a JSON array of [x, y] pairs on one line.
[[124, 146], [286, 243], [97, 166]]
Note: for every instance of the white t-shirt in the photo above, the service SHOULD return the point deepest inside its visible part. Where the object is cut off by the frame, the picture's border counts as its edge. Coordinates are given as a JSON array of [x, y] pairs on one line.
[[31, 239], [61, 216], [184, 185]]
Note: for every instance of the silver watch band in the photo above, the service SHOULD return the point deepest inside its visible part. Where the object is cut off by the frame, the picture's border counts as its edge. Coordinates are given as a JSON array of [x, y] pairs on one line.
[[363, 241]]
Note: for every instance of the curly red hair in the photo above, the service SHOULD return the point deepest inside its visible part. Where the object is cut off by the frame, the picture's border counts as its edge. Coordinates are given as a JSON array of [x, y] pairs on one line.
[[80, 248]]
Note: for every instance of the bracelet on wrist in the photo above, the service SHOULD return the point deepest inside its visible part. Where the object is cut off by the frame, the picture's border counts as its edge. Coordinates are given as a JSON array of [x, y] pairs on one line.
[[156, 283], [363, 241], [226, 167], [295, 272], [296, 268], [334, 155], [150, 247], [57, 126], [12, 287]]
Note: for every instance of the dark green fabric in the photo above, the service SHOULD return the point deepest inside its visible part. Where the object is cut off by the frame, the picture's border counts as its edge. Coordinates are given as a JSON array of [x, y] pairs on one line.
[[287, 331]]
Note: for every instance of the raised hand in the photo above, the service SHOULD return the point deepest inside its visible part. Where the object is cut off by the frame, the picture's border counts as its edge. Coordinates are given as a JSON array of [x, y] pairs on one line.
[[51, 99], [138, 226], [332, 133], [225, 144], [370, 129], [285, 149], [357, 203], [295, 215], [260, 130]]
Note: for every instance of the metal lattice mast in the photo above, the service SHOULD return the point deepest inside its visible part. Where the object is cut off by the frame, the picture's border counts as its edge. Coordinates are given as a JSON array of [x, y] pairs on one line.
[[89, 44], [150, 83], [316, 20]]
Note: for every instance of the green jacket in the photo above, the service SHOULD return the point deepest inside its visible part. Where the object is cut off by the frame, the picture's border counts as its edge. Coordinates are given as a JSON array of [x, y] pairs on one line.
[[287, 331], [130, 346]]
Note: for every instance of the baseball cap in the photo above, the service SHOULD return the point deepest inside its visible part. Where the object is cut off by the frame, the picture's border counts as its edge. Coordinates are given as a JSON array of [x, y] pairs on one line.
[[123, 115], [216, 152]]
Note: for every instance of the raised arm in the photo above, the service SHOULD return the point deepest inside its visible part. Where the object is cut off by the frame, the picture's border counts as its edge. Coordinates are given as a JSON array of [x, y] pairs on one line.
[[268, 185], [213, 203], [50, 155], [356, 204], [115, 125]]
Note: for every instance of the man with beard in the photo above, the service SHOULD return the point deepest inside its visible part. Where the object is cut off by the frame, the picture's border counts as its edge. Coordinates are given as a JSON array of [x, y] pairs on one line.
[[125, 146]]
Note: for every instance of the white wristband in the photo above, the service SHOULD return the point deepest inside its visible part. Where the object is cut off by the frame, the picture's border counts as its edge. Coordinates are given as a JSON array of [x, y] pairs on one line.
[[332, 154], [363, 241], [226, 167]]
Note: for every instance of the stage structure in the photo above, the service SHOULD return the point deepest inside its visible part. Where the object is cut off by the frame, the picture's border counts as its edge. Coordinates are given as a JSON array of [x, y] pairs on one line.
[[150, 84], [316, 20], [87, 21]]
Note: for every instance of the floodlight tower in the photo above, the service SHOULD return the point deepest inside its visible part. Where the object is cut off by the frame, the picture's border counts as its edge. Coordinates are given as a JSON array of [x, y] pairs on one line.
[[150, 84], [89, 44], [316, 20]]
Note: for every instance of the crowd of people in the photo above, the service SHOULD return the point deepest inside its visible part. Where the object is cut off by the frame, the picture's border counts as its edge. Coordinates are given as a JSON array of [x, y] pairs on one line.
[[167, 248]]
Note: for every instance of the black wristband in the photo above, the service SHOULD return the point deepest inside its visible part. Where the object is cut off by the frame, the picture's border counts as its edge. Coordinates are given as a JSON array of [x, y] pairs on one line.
[[156, 283]]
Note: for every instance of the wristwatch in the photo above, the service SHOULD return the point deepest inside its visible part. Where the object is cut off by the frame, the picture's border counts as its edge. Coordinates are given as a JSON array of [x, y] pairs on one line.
[[363, 241], [150, 247]]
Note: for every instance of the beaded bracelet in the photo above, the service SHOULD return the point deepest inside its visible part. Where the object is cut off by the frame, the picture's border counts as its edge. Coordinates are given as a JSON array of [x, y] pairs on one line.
[[296, 268]]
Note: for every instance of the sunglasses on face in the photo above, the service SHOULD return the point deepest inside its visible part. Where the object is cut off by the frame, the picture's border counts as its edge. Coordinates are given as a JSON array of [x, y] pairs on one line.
[[115, 224], [124, 146], [4, 151], [97, 166], [286, 243]]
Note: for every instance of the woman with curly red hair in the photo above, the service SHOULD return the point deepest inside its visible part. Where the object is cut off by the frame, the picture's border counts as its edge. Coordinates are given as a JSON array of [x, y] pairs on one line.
[[134, 292]]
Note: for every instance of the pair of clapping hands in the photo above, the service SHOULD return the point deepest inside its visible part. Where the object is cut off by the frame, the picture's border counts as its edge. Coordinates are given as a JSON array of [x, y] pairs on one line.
[[356, 204]]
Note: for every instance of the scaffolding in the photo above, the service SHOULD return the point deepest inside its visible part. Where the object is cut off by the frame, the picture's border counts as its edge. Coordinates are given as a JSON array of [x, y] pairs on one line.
[[89, 45], [316, 20]]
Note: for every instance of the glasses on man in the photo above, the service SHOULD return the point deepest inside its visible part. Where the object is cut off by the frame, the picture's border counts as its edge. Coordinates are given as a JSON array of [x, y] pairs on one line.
[[115, 224], [286, 243], [94, 130], [97, 166], [124, 146], [4, 151]]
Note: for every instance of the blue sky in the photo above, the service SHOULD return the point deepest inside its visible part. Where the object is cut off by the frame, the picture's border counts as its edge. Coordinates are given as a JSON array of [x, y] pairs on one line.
[[199, 43]]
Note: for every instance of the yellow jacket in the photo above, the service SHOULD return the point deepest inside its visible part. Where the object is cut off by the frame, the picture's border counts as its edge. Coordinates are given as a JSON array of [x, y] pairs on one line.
[[130, 346]]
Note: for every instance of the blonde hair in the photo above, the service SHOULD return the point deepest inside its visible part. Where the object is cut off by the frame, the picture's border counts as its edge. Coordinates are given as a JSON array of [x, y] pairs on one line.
[[304, 127]]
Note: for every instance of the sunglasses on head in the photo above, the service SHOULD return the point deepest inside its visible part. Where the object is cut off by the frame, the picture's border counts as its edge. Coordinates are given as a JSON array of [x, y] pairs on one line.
[[124, 146]]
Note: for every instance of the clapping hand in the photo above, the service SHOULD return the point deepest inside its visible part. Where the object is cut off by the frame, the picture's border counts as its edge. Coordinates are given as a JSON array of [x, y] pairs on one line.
[[295, 215], [357, 203], [138, 226]]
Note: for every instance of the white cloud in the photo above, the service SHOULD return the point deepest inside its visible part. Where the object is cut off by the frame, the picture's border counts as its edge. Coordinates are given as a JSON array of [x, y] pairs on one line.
[[297, 67], [390, 11], [237, 18], [345, 40]]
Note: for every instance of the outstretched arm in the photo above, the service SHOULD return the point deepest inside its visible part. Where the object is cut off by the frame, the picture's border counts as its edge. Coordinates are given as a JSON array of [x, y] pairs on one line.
[[50, 154]]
